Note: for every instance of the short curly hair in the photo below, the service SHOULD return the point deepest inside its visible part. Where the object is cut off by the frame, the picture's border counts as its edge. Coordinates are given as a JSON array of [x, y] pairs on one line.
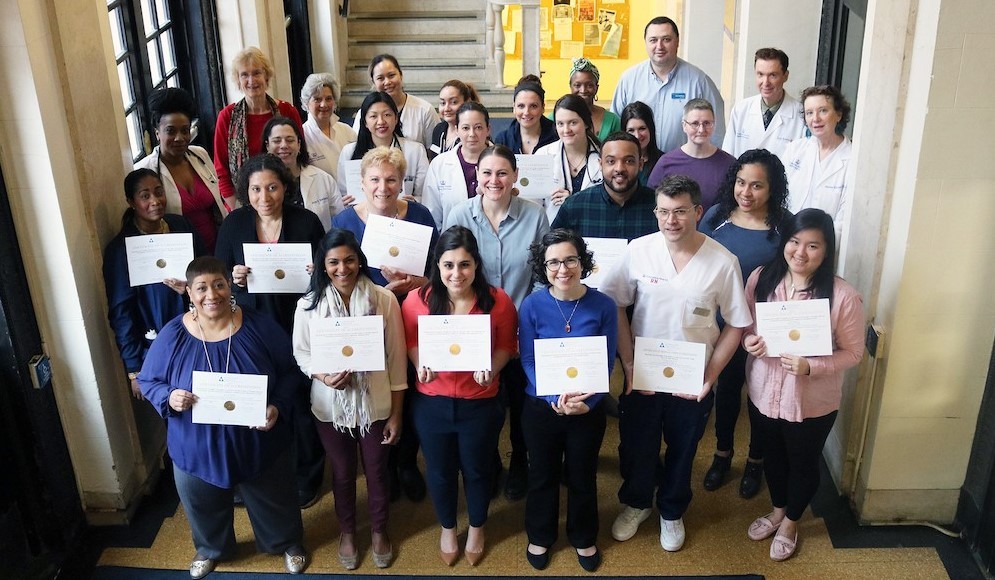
[[537, 253]]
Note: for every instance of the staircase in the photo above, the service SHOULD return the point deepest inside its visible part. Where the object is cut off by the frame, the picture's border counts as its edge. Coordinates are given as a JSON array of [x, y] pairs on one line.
[[433, 40]]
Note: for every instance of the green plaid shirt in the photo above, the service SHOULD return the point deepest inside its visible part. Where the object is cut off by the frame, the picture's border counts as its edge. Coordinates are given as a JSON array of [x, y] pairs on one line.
[[592, 213]]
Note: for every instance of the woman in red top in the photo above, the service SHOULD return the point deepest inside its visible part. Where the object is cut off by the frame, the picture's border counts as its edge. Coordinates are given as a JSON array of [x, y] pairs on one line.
[[238, 133], [457, 414]]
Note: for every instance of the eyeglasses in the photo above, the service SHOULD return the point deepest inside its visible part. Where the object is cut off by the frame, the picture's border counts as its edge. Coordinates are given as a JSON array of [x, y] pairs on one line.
[[679, 213], [700, 125], [554, 265]]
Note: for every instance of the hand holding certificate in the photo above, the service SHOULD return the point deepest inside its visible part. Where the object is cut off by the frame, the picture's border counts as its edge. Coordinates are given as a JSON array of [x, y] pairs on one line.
[[668, 366], [153, 258], [229, 399], [347, 344], [277, 268], [455, 343], [535, 176], [571, 365], [396, 243], [797, 327], [607, 252]]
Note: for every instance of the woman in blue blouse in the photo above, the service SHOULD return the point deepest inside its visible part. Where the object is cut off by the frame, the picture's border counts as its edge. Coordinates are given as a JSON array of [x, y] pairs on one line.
[[567, 429], [209, 461]]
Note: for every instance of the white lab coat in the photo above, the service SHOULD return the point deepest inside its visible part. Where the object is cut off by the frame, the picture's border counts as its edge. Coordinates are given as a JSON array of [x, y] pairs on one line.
[[414, 178], [324, 152], [418, 119], [321, 194], [202, 166], [746, 127], [812, 183], [445, 186], [592, 175]]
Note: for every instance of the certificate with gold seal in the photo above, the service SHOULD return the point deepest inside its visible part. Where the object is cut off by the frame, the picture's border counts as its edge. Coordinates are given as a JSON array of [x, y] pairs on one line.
[[277, 268], [396, 243], [668, 366], [153, 258], [607, 252], [571, 365], [535, 176], [229, 399], [798, 327], [459, 342], [353, 343]]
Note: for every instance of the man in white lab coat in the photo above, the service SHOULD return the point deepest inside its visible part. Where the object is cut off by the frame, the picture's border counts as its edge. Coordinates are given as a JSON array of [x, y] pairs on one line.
[[771, 119]]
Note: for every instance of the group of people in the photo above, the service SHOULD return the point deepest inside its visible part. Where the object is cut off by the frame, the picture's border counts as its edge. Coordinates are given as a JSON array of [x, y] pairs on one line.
[[717, 218]]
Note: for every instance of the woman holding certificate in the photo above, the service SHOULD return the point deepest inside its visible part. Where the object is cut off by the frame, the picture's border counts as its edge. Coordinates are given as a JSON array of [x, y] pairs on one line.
[[746, 219], [266, 226], [218, 341], [381, 127], [357, 413], [796, 398], [138, 313], [457, 413], [567, 429], [577, 153]]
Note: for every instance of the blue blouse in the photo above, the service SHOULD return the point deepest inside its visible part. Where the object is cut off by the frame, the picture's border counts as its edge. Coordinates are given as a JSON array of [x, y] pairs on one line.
[[539, 317], [222, 455]]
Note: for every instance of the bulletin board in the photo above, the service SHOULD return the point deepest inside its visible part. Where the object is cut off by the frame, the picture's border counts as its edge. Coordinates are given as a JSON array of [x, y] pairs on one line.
[[573, 28]]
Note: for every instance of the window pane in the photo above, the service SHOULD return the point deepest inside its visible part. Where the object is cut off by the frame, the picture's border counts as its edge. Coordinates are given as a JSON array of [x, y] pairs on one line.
[[173, 81], [147, 17], [124, 76], [168, 57], [115, 18], [154, 67], [135, 135], [162, 12]]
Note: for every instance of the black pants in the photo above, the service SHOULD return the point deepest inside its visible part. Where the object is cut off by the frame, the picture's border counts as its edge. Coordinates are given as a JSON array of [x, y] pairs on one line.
[[728, 396], [309, 455], [404, 455], [793, 451], [513, 393], [551, 439]]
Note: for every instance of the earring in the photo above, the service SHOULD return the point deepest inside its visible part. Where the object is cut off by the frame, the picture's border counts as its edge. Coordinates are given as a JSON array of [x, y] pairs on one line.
[[233, 304], [193, 311]]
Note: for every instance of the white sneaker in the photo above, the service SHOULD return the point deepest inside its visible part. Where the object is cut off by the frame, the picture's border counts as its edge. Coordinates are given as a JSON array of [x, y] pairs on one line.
[[671, 534], [627, 522]]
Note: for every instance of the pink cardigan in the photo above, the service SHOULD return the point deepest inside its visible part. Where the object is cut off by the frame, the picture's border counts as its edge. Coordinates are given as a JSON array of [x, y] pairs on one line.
[[780, 395]]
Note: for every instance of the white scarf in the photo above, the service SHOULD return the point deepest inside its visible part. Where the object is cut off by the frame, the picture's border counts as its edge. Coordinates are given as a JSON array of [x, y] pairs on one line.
[[351, 406]]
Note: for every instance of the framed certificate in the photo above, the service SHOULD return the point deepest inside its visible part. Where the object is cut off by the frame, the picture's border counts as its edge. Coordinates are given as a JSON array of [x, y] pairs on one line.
[[396, 243], [607, 252], [571, 365], [668, 366], [460, 342], [798, 327], [354, 343], [277, 268], [153, 258], [229, 399], [535, 176]]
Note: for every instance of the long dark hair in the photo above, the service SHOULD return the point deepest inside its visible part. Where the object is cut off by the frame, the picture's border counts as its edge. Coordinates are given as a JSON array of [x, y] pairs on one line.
[[435, 292], [640, 110], [335, 238], [303, 159], [131, 188], [575, 104], [777, 183], [364, 139], [775, 270]]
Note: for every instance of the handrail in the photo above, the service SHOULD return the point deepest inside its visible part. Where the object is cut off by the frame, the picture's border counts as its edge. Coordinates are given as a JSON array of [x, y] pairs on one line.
[[494, 37]]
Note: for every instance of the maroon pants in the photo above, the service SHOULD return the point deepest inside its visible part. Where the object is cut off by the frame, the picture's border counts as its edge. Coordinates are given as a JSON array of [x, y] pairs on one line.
[[343, 449]]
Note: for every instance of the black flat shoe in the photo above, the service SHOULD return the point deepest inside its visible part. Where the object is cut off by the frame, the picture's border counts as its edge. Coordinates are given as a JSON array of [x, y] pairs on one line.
[[590, 563], [538, 561], [716, 474], [753, 476]]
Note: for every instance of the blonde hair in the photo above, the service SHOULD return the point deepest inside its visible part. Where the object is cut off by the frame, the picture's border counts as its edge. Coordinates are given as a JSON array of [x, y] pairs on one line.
[[380, 156], [251, 56]]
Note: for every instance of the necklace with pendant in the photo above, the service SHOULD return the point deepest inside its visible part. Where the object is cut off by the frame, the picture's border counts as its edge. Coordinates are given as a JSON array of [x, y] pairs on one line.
[[566, 320]]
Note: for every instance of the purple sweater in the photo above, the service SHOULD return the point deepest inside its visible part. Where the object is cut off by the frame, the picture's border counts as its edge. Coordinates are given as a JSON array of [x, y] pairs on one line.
[[708, 172]]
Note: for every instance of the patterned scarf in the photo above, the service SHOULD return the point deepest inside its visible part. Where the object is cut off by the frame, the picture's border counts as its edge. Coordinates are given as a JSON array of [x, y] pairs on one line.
[[351, 406], [238, 138]]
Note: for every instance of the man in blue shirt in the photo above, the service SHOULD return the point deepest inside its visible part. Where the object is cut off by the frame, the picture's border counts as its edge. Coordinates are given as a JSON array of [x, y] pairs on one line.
[[666, 83]]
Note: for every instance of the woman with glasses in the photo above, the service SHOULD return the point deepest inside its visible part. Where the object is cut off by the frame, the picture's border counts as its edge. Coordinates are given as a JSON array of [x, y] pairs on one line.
[[698, 159], [565, 430]]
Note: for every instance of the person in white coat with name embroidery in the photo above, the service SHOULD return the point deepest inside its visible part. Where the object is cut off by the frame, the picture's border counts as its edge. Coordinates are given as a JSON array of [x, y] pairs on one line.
[[324, 133], [747, 129], [452, 176], [817, 165], [578, 153], [316, 190]]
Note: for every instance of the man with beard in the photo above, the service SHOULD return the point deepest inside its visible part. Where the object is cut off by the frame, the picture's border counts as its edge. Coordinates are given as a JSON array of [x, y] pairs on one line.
[[618, 207]]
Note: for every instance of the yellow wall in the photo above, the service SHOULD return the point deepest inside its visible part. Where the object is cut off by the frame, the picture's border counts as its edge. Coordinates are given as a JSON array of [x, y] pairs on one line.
[[556, 78]]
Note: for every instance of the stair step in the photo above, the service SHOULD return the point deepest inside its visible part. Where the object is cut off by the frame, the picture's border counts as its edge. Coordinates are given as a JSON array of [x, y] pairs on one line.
[[414, 27], [449, 14], [466, 71], [417, 5], [403, 48]]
